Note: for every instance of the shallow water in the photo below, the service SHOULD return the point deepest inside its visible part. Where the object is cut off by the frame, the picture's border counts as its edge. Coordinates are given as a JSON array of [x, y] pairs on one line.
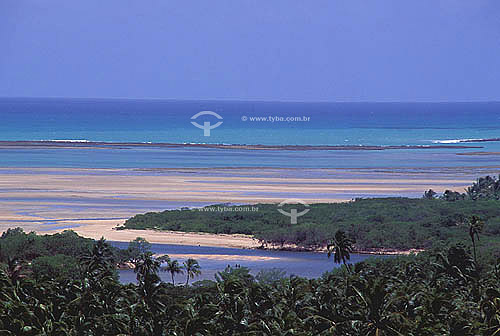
[[215, 259], [212, 158], [369, 124]]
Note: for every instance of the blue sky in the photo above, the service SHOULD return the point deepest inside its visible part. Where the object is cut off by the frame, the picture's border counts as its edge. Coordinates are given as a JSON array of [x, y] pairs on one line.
[[288, 50]]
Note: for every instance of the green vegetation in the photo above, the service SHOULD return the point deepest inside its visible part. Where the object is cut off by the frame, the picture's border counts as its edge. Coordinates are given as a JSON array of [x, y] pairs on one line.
[[340, 247], [50, 256], [192, 268], [173, 267], [64, 284], [438, 292], [378, 223]]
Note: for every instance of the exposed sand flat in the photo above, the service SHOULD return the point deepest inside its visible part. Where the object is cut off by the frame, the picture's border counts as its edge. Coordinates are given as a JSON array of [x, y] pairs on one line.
[[94, 201], [106, 229]]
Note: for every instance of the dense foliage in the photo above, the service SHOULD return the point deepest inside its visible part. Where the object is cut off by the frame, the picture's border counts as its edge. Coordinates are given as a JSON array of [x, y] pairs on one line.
[[64, 284], [398, 223], [439, 292], [50, 256], [375, 223]]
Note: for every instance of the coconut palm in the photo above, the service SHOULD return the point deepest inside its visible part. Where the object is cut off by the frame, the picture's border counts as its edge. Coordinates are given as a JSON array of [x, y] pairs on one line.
[[192, 268], [475, 228], [146, 266], [173, 267], [99, 263], [341, 247]]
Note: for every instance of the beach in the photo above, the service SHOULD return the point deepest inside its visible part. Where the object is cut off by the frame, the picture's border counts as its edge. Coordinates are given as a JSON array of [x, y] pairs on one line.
[[107, 229], [93, 202]]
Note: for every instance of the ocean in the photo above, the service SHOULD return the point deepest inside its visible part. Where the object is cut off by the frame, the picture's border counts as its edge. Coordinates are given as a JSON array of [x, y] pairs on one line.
[[248, 123]]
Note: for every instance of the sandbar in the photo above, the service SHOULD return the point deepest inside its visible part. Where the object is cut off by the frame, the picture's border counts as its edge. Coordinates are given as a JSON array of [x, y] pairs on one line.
[[94, 201]]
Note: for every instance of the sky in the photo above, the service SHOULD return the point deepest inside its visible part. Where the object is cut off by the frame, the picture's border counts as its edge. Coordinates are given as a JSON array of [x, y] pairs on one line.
[[274, 50]]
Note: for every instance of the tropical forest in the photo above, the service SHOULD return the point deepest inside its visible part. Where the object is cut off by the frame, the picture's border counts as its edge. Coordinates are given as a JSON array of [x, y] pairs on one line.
[[64, 284]]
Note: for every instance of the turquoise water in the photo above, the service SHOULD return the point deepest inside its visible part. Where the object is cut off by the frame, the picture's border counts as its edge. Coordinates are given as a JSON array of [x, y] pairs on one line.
[[199, 158], [169, 121], [156, 121]]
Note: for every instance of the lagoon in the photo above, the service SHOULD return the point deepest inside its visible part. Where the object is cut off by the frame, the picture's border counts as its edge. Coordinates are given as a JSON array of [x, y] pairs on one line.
[[216, 259]]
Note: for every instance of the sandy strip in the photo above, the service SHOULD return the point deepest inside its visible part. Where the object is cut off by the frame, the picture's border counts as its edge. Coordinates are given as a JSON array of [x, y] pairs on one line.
[[50, 200], [106, 229]]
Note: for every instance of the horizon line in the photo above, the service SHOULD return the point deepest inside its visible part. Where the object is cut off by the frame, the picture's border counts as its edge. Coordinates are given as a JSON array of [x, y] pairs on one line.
[[258, 100]]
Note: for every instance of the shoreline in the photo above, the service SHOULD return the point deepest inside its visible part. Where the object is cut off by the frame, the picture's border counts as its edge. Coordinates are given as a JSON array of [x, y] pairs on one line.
[[107, 229], [102, 144], [368, 251], [238, 241], [93, 201], [47, 199]]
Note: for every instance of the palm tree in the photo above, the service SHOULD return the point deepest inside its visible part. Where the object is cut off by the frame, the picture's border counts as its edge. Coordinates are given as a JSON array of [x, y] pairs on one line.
[[99, 263], [192, 268], [475, 228], [146, 266], [173, 267], [341, 247], [149, 286]]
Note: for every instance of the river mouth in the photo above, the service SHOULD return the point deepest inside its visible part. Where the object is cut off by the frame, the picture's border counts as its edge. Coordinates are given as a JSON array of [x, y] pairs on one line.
[[216, 259]]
